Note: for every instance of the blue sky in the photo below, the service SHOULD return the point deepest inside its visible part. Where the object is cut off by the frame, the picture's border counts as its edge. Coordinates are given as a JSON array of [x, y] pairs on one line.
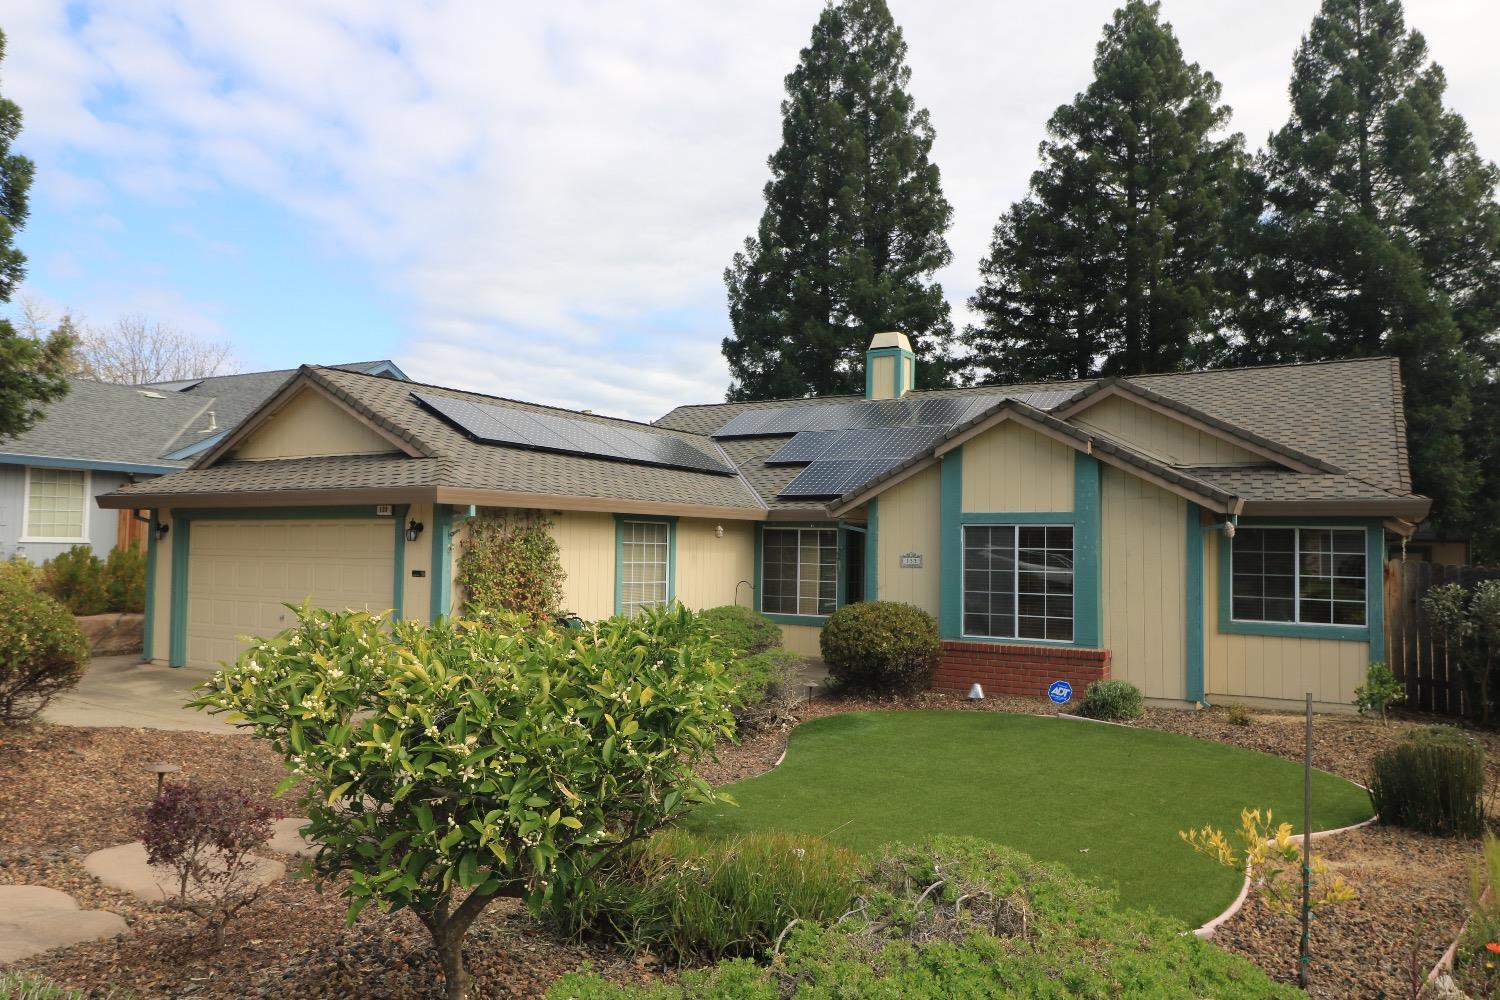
[[532, 200]]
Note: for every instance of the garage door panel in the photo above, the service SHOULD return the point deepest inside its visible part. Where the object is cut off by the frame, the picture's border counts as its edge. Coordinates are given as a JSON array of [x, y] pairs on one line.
[[241, 573]]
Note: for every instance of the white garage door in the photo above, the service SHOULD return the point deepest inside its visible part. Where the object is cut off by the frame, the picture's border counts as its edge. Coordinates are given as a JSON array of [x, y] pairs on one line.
[[241, 573]]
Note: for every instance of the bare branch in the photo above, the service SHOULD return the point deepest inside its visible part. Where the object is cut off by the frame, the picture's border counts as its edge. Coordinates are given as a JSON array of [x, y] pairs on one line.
[[135, 351]]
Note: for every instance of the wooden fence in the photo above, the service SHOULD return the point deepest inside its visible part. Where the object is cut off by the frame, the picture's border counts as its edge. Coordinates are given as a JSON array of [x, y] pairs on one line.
[[1414, 654]]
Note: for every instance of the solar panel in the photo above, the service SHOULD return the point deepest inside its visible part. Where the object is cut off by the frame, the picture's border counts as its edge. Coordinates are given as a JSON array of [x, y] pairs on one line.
[[507, 425], [837, 477], [806, 447], [948, 412]]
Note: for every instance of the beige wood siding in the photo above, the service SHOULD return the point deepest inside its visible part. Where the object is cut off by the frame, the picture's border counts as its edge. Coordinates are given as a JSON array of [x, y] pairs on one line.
[[240, 573], [161, 601], [882, 377], [1273, 670], [1010, 468], [1161, 435], [910, 522], [710, 569], [586, 544], [310, 425], [801, 639], [1143, 573]]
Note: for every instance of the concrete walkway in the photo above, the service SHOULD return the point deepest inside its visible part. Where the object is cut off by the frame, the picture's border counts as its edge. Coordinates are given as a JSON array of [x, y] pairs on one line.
[[122, 691], [34, 919]]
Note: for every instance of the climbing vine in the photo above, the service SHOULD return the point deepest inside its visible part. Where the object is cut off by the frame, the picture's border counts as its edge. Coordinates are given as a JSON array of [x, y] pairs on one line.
[[510, 562]]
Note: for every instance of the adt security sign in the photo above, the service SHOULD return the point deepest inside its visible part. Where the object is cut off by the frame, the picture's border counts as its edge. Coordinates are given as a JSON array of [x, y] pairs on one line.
[[1061, 692]]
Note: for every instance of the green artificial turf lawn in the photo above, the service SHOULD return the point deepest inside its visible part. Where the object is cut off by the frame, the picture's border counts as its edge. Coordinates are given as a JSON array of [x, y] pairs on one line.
[[1106, 801]]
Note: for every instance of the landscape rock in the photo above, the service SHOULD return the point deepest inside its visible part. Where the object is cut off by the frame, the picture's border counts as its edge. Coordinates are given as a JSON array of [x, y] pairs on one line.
[[112, 634], [286, 838]]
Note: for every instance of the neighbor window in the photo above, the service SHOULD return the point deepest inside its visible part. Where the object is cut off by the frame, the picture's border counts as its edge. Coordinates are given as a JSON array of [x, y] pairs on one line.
[[55, 504], [1018, 581], [645, 548], [799, 571], [1311, 576]]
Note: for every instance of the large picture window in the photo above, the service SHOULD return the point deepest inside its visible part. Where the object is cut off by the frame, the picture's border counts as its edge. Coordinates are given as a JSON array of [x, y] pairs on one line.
[[799, 571], [1018, 581], [56, 505], [645, 551], [1310, 576]]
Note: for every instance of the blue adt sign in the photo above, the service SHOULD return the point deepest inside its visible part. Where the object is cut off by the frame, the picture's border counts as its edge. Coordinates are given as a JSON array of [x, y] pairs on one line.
[[1061, 692]]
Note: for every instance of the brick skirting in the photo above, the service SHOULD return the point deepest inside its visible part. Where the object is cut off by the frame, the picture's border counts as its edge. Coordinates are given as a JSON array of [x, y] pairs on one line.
[[1018, 670]]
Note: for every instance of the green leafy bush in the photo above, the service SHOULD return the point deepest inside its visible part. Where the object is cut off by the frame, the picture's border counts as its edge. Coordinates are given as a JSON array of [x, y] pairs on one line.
[[19, 569], [1474, 963], [76, 579], [694, 897], [124, 578], [1237, 715], [42, 653], [1380, 690], [1431, 781], [881, 646], [766, 687], [957, 917], [445, 766], [511, 563], [1113, 700], [745, 632]]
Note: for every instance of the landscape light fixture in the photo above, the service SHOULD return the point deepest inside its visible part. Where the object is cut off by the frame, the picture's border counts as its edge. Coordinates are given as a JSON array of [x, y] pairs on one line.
[[976, 693], [414, 530]]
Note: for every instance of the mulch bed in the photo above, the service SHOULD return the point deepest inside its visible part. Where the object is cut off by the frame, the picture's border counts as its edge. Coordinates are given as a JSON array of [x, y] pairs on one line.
[[65, 792]]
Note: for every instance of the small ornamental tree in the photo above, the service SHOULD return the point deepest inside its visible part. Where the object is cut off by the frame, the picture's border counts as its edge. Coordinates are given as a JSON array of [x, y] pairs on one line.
[[451, 765], [512, 564]]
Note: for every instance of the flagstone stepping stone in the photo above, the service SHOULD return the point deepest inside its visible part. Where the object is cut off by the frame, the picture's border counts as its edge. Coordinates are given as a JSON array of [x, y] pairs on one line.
[[286, 838], [34, 919], [125, 867]]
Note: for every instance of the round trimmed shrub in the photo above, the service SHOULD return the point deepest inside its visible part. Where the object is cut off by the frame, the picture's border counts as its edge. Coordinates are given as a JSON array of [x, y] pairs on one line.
[[1116, 701], [744, 631], [883, 647], [1431, 781], [41, 651]]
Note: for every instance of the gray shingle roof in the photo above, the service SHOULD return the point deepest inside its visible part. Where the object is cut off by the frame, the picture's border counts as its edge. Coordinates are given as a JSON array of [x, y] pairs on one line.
[[99, 422]]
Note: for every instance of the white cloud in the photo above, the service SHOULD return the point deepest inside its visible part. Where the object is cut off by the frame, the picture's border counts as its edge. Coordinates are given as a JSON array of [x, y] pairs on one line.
[[557, 186]]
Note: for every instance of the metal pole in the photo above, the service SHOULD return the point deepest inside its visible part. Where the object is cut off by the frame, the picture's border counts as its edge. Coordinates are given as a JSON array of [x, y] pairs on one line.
[[1304, 955]]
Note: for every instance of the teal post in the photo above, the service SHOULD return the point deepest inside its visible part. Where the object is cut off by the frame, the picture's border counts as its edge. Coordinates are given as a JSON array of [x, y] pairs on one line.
[[1375, 588], [1194, 611], [150, 616], [442, 561], [398, 586], [1087, 603], [872, 552], [177, 648], [951, 544]]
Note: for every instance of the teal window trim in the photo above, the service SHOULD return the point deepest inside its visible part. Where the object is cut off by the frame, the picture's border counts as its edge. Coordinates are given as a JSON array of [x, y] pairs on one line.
[[671, 523], [1372, 632], [872, 550], [398, 587], [149, 629], [1194, 610], [180, 537], [442, 562], [1086, 520], [815, 621], [899, 369]]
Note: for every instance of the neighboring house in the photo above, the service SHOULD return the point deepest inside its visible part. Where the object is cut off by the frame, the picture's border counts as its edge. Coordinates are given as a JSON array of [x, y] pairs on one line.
[[1207, 536], [100, 437]]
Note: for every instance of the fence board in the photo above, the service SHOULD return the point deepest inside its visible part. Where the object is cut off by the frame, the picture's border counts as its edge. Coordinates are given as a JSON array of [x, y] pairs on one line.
[[1414, 654]]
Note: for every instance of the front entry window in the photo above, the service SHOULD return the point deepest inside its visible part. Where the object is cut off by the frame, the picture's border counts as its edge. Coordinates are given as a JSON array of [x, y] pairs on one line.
[[799, 571]]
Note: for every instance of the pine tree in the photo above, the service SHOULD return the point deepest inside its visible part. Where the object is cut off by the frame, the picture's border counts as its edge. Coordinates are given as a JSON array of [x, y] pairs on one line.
[[31, 371], [854, 222], [1122, 258], [1382, 234]]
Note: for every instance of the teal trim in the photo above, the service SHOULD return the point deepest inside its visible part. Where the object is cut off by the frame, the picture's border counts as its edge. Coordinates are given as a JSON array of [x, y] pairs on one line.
[[840, 560], [1194, 610], [1373, 629], [442, 562], [872, 551], [951, 544], [149, 628], [1087, 528], [816, 621], [398, 585], [51, 462], [899, 384], [755, 589], [180, 533], [671, 523]]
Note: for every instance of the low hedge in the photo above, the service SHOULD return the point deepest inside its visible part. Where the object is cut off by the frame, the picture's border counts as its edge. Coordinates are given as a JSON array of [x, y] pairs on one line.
[[42, 653], [958, 917], [1431, 781], [742, 630], [883, 647]]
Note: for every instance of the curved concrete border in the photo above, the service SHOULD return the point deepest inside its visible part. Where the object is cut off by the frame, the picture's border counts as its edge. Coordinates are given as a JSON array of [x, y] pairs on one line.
[[1445, 963], [1101, 722]]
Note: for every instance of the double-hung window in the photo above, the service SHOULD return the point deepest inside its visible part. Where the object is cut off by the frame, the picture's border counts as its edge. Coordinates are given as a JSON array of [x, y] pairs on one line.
[[56, 505], [799, 571], [645, 565], [1018, 581], [1308, 576]]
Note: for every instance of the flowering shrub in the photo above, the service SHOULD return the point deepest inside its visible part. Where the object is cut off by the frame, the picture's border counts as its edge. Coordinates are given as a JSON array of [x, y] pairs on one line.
[[449, 765], [205, 836]]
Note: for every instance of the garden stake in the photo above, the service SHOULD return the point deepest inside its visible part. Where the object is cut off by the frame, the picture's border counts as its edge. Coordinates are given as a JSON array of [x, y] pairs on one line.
[[1303, 956]]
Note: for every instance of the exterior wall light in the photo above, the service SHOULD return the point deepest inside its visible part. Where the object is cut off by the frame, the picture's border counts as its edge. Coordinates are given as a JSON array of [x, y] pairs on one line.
[[161, 530], [976, 693], [414, 530], [718, 531]]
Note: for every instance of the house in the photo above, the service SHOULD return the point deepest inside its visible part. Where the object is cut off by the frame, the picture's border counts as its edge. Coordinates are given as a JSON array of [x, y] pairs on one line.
[[100, 437], [1207, 536]]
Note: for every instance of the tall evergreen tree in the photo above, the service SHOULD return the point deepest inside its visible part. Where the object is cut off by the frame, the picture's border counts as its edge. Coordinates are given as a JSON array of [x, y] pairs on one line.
[[1122, 258], [31, 371], [1382, 234], [854, 223]]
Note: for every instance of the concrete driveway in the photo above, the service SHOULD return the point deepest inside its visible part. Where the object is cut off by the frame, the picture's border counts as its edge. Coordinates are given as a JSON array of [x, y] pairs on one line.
[[122, 691]]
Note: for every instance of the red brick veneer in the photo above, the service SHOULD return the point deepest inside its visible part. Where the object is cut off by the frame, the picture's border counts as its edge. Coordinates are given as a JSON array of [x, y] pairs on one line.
[[1018, 670]]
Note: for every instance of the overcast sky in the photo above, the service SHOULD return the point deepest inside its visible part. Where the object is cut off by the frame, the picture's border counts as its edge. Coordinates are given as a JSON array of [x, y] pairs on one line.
[[536, 200]]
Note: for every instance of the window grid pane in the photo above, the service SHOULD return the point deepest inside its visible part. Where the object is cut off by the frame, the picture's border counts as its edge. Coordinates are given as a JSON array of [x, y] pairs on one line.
[[1310, 576], [55, 503], [644, 552], [1018, 581], [799, 571]]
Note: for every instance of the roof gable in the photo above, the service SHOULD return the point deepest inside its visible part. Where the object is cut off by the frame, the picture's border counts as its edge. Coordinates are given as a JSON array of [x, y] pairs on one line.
[[310, 424]]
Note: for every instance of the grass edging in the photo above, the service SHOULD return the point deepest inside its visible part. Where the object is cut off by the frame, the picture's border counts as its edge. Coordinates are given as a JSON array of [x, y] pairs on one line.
[[1206, 932], [1102, 722]]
